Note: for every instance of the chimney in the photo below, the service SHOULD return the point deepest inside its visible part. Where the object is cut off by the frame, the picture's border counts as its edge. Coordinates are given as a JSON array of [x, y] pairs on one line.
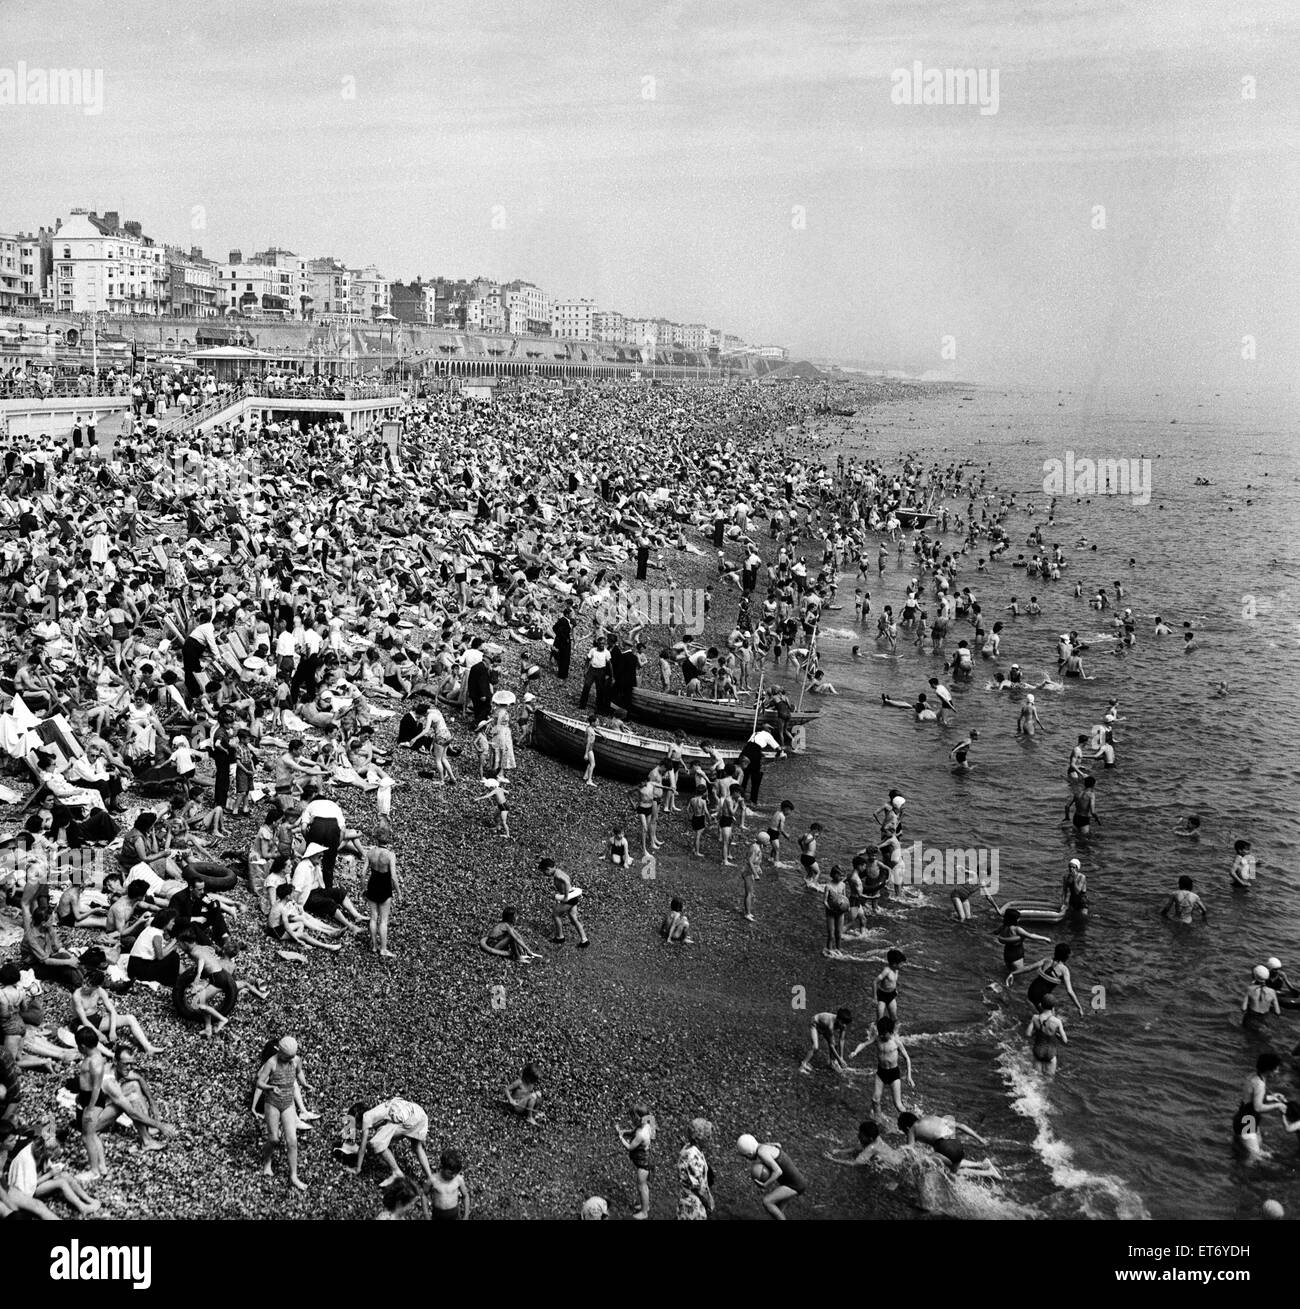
[[111, 219], [133, 228], [196, 252], [236, 257]]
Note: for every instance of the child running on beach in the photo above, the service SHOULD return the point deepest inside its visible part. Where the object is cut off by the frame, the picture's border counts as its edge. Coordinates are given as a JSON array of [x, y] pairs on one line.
[[637, 1143]]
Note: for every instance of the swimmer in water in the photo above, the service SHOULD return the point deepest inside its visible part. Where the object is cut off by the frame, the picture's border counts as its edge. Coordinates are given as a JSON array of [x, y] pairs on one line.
[[1028, 722], [1279, 981], [1081, 809], [1259, 1001], [1044, 1030], [1012, 937], [1189, 642], [1074, 890], [1074, 769], [1162, 627], [940, 1134], [1184, 903], [1191, 827], [871, 1149], [1256, 1101], [1219, 689], [1106, 751], [1050, 973], [921, 709], [944, 696], [856, 652], [1244, 865], [959, 752]]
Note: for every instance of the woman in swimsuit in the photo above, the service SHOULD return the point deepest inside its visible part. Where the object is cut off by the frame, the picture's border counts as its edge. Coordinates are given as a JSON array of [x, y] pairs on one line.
[[1051, 973], [637, 1143], [773, 1171], [1044, 1030], [1257, 1100], [1074, 890], [1012, 937], [383, 885]]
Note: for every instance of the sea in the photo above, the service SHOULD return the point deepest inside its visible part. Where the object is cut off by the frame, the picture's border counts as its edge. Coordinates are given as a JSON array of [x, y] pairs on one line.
[[1137, 1122]]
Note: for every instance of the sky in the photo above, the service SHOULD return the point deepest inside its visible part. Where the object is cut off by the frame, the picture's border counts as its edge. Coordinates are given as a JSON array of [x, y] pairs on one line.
[[1126, 219]]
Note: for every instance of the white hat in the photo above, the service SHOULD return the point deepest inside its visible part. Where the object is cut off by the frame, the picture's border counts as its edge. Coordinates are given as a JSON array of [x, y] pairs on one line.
[[898, 802], [1029, 699], [1261, 973], [1074, 863], [747, 1145], [1274, 963], [314, 849], [595, 1209], [180, 740]]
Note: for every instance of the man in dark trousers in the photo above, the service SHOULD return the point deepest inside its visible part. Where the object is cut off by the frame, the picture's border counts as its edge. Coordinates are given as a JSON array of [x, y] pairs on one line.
[[642, 557], [479, 684], [562, 650], [625, 665], [597, 674]]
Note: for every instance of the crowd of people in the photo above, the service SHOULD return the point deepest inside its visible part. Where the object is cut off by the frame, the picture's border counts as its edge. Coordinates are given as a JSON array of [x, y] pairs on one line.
[[211, 640]]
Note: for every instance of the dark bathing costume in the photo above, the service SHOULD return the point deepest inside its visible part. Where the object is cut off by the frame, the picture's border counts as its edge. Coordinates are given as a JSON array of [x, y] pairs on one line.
[[1045, 983]]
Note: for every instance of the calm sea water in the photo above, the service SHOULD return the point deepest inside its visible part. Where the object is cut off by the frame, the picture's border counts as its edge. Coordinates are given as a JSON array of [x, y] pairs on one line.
[[1137, 1121]]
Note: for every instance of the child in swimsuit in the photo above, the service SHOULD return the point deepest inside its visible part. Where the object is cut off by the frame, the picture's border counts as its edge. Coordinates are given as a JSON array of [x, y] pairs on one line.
[[450, 1192], [808, 854], [887, 985]]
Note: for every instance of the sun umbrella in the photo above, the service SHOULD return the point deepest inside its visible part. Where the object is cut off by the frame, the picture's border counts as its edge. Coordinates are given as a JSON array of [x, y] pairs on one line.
[[504, 698]]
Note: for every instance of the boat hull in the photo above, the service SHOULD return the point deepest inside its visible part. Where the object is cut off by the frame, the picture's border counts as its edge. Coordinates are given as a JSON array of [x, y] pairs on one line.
[[703, 717], [618, 754]]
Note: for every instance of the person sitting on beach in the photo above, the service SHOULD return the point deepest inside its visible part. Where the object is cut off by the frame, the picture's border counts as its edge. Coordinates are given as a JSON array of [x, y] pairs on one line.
[[675, 927], [286, 924], [505, 940], [524, 1097]]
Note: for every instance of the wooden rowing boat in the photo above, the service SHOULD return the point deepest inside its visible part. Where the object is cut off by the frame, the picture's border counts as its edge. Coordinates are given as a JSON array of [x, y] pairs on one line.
[[704, 718], [618, 753], [910, 518]]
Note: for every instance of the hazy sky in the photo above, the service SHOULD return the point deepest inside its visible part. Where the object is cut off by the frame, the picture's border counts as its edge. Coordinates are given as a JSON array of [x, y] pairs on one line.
[[920, 221]]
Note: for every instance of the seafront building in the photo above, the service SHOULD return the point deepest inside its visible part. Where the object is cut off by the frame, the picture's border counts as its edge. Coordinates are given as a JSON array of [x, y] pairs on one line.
[[88, 264]]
